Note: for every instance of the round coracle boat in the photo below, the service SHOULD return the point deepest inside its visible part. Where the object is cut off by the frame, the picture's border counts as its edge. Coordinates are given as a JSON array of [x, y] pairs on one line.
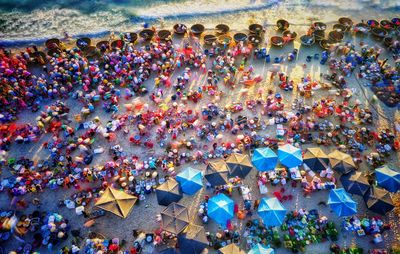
[[83, 43], [282, 25], [347, 22], [146, 34], [180, 29], [197, 29], [335, 36], [255, 28], [209, 39], [277, 41], [222, 29], [238, 37], [307, 40]]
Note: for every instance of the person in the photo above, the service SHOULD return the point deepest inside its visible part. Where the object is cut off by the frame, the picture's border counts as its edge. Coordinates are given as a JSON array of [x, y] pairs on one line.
[[256, 204]]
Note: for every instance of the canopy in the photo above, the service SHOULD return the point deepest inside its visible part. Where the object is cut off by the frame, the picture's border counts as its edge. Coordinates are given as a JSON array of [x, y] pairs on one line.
[[271, 212], [379, 200], [175, 218], [116, 201], [239, 165], [217, 173], [355, 183], [264, 159], [316, 159], [190, 180], [261, 249], [231, 249], [341, 162], [193, 240], [290, 156], [168, 192], [220, 209], [388, 178], [341, 202]]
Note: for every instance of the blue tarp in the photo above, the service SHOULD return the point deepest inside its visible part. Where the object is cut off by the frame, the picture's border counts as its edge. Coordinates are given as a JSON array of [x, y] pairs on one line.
[[388, 178], [341, 202], [290, 156], [220, 209], [190, 180], [271, 212], [264, 159]]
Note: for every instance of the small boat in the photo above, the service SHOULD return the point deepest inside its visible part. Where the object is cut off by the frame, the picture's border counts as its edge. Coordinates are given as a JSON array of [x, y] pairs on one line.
[[372, 23], [387, 25], [388, 41], [282, 24], [83, 43], [52, 43], [307, 40], [277, 41], [197, 29], [255, 39], [222, 29], [238, 37], [335, 36], [117, 44], [340, 28], [224, 39], [347, 22], [396, 21], [255, 29], [103, 45], [163, 34], [180, 29], [379, 33], [146, 34], [325, 44], [209, 39], [132, 37], [319, 35], [319, 26], [361, 28], [289, 36]]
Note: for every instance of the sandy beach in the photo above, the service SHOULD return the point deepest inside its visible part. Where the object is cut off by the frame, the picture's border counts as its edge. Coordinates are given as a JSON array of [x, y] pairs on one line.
[[143, 215]]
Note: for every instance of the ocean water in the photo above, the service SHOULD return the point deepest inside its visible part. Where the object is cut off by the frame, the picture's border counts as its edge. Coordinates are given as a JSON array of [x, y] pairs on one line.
[[30, 21]]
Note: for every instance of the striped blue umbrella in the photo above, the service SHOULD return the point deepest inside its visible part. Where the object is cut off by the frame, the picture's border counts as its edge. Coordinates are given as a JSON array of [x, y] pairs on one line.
[[261, 249], [271, 212], [190, 180], [220, 209], [341, 203], [290, 156], [388, 178], [264, 159]]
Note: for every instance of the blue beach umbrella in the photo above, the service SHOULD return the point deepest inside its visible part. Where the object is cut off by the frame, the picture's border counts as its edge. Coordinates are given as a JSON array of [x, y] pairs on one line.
[[388, 178], [220, 209], [290, 156], [271, 212], [341, 202], [190, 180], [264, 159], [261, 249]]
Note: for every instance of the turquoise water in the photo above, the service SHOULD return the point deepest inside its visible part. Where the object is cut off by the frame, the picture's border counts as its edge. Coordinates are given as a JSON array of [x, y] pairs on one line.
[[28, 21]]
